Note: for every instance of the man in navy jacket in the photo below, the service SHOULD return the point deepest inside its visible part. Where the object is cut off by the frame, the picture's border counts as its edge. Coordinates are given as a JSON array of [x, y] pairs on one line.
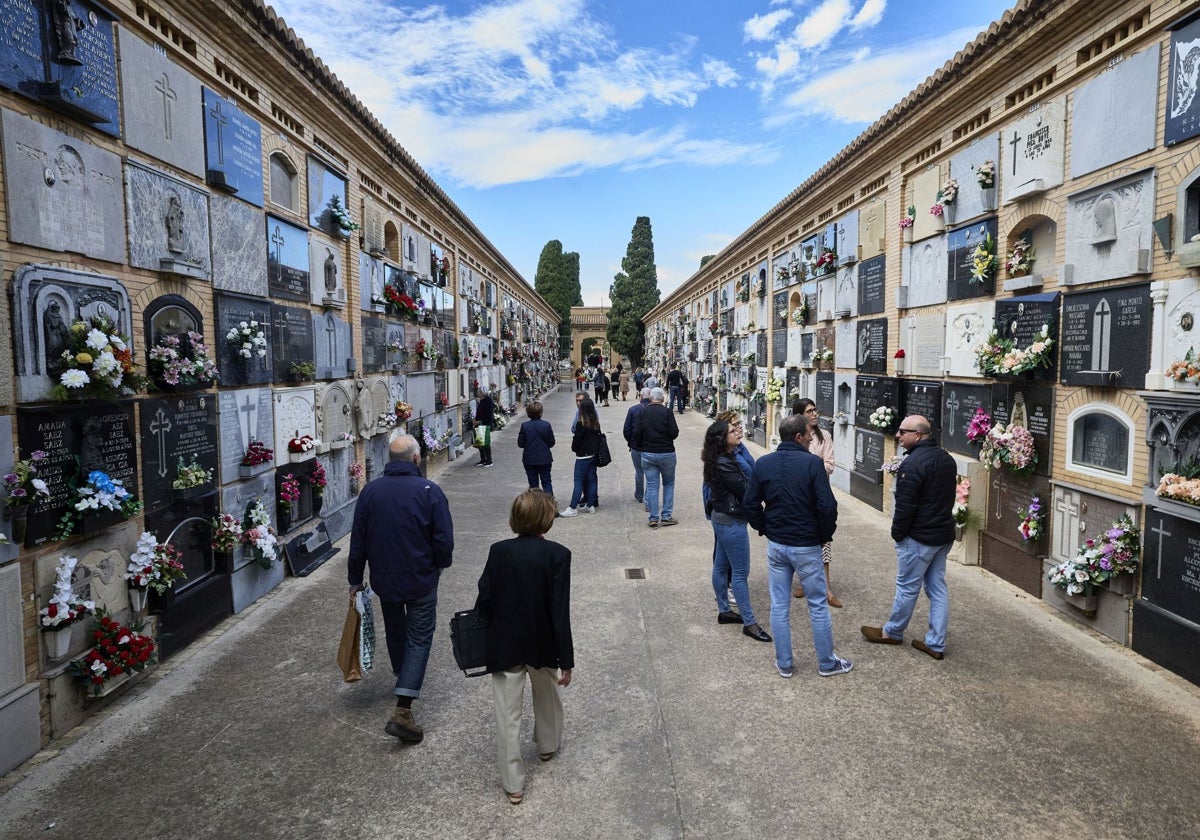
[[788, 498], [402, 529]]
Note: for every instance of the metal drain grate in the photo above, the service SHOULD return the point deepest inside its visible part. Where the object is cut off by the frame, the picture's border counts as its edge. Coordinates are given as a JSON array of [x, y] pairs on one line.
[[635, 574]]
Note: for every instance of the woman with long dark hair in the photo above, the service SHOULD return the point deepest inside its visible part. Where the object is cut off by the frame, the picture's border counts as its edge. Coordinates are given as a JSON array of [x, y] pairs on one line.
[[726, 478], [585, 444], [821, 445]]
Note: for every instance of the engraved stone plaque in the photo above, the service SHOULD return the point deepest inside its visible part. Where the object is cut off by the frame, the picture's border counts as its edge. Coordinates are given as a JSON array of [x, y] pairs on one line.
[[161, 104]]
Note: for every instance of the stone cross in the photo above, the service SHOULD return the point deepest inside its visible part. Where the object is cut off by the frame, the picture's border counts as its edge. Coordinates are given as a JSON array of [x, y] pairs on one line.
[[953, 404], [163, 86], [221, 120], [1068, 513], [159, 427], [1102, 335], [1162, 532], [250, 410], [331, 341]]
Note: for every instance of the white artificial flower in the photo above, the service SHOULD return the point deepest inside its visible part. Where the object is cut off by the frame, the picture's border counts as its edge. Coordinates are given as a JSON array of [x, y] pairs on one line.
[[74, 378], [106, 364], [40, 486], [117, 342], [97, 340]]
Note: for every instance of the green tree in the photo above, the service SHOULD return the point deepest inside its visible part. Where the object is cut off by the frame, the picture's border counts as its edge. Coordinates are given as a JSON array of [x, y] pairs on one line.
[[705, 259], [557, 281], [634, 292]]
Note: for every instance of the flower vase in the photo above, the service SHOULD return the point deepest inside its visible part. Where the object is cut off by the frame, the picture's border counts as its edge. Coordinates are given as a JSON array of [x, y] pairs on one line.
[[58, 642], [989, 198], [959, 532], [908, 235], [318, 500], [354, 487], [899, 367], [948, 215], [1086, 603], [137, 599], [20, 520], [285, 521]]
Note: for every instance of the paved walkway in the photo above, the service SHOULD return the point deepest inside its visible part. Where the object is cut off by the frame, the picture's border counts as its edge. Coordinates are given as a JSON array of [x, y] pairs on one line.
[[675, 726]]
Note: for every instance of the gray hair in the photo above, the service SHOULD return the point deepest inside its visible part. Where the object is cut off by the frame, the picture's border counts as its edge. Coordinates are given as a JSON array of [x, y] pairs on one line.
[[792, 425], [657, 395], [644, 394], [402, 446]]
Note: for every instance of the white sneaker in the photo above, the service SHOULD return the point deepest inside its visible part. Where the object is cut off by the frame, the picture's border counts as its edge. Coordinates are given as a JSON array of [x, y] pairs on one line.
[[588, 509], [568, 512]]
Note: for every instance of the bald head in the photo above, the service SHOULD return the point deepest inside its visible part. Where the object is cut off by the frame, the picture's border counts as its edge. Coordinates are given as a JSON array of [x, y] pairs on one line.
[[404, 447], [917, 423]]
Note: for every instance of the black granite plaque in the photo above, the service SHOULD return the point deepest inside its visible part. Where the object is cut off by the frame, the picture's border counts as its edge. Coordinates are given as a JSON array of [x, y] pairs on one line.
[[924, 398], [793, 385], [287, 260], [806, 347], [1161, 637], [374, 347], [233, 149], [871, 392], [872, 285], [959, 403], [1171, 572], [76, 439], [291, 339], [868, 454], [824, 398], [1022, 318], [1183, 107], [870, 353], [760, 349], [1106, 337], [1008, 500], [960, 246], [1033, 407], [178, 428], [232, 367], [779, 345]]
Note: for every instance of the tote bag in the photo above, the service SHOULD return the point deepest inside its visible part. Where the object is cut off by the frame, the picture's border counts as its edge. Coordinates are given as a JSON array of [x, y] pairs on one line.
[[603, 456]]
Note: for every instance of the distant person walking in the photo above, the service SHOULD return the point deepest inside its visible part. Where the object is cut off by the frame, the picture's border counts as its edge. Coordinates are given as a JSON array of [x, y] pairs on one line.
[[623, 380], [654, 436], [536, 439], [675, 388], [639, 379], [485, 418], [601, 382]]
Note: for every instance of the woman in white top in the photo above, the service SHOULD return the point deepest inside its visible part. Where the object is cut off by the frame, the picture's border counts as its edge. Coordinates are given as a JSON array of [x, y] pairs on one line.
[[821, 445]]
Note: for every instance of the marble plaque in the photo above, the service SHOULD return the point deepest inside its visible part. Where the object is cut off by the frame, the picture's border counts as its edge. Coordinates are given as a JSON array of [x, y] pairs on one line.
[[959, 403], [233, 368], [1113, 115], [324, 186], [232, 149], [779, 346], [806, 347], [1171, 578], [1183, 105], [239, 262], [847, 238], [923, 192], [236, 498], [846, 294], [824, 393], [1008, 499], [967, 327], [960, 250], [1109, 230], [161, 104], [868, 454], [335, 409], [925, 272], [1105, 337], [872, 286], [243, 416], [1032, 151], [63, 194], [295, 416], [76, 439], [327, 271], [923, 338], [1022, 319], [46, 301], [971, 200], [334, 345], [181, 427], [872, 227], [924, 398], [846, 344], [871, 346], [168, 223], [291, 336], [1031, 406], [82, 80], [287, 260], [826, 297], [1080, 516], [373, 230], [374, 344], [871, 392], [372, 276]]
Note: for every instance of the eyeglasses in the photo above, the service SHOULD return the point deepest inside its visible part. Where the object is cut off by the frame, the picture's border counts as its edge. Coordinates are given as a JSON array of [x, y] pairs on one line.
[[907, 432]]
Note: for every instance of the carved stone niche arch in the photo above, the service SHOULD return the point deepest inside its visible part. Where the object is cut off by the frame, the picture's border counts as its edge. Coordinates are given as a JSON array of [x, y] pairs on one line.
[[794, 301], [391, 241], [1172, 434], [169, 315], [1042, 232]]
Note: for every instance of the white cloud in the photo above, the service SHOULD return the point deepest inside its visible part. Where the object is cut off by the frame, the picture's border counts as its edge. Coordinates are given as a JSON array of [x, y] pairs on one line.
[[823, 23], [870, 14], [762, 27]]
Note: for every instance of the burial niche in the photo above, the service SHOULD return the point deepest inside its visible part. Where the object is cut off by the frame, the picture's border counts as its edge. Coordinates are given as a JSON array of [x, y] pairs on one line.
[[284, 191], [1098, 442], [176, 356]]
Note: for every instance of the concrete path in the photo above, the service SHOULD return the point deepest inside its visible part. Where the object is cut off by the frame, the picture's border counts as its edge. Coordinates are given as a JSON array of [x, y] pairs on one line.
[[675, 726]]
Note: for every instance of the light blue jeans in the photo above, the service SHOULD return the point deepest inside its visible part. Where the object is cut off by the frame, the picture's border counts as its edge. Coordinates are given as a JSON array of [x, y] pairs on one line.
[[639, 477], [659, 468], [805, 563], [917, 564], [731, 567]]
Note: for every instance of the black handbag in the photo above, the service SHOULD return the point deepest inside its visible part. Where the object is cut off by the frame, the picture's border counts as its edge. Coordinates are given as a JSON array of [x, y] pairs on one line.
[[468, 638], [603, 456]]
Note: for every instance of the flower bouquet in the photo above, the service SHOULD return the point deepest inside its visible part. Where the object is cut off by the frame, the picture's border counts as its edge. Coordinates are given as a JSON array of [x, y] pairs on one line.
[[775, 390], [979, 426], [357, 472], [289, 493], [386, 422], [399, 302], [983, 260], [182, 360], [190, 475], [962, 495], [826, 262], [248, 340], [937, 210], [883, 417], [1185, 370], [64, 608], [1020, 257], [154, 565], [22, 490], [910, 216], [1098, 559], [302, 445], [258, 537], [999, 355], [948, 193], [116, 650], [892, 465], [100, 492], [1011, 447], [97, 362], [226, 533], [318, 479], [1031, 527], [985, 175], [822, 355], [257, 453], [800, 313]]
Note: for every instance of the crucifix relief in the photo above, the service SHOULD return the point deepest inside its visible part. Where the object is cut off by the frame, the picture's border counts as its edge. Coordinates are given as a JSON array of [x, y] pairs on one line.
[[250, 410], [163, 86], [1162, 532], [331, 341], [1101, 335], [1066, 529], [952, 406], [1016, 142], [277, 240], [221, 120], [159, 426], [999, 491]]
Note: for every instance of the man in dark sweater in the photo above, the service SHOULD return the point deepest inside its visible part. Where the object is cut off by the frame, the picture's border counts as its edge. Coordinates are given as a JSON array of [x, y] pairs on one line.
[[923, 530], [654, 433], [639, 477], [675, 382]]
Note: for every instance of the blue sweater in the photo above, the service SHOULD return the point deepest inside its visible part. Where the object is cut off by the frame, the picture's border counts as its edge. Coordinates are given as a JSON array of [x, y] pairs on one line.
[[402, 529], [788, 497], [536, 437]]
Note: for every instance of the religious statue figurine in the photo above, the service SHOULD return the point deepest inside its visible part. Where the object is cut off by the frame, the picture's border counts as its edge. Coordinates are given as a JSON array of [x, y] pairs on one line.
[[56, 334], [376, 281], [67, 27], [1020, 416], [174, 220], [331, 282], [91, 455]]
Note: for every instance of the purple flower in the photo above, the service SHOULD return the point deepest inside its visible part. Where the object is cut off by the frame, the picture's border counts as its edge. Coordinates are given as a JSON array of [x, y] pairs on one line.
[[11, 478], [1115, 533], [37, 455], [18, 493]]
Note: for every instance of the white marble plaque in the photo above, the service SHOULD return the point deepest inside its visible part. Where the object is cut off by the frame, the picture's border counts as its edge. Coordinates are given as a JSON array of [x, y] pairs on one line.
[[295, 416], [421, 392], [12, 641], [334, 413], [793, 345], [161, 105], [970, 202], [826, 297], [923, 192], [371, 279], [1031, 151], [925, 272], [326, 270], [967, 327], [847, 238], [1113, 116], [1182, 309], [872, 228], [847, 341], [1110, 231], [239, 258], [923, 338], [242, 416], [845, 296]]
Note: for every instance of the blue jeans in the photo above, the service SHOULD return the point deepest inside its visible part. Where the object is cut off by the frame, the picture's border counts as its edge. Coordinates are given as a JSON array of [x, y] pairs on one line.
[[585, 482], [916, 564], [409, 628], [639, 477], [540, 472], [676, 397], [659, 468], [731, 567], [805, 562]]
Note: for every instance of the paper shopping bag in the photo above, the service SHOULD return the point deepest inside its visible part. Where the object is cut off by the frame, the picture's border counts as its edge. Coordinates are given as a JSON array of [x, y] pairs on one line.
[[349, 651]]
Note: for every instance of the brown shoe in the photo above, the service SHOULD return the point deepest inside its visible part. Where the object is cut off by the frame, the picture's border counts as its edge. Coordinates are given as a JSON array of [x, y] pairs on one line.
[[401, 725], [798, 591], [924, 648], [834, 601], [875, 634]]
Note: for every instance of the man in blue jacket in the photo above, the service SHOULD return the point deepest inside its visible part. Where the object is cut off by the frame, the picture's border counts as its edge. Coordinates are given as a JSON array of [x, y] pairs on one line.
[[923, 530], [639, 477], [789, 500], [402, 529]]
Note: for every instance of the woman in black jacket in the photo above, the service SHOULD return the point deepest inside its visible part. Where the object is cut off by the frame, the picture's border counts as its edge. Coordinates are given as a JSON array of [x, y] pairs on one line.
[[726, 478], [585, 444], [525, 598]]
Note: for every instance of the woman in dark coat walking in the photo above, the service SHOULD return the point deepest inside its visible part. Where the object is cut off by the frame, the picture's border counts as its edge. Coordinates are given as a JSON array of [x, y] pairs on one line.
[[485, 417], [536, 439], [525, 597]]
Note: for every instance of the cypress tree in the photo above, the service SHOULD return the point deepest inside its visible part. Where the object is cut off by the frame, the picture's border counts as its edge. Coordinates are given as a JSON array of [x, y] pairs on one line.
[[634, 292], [557, 281]]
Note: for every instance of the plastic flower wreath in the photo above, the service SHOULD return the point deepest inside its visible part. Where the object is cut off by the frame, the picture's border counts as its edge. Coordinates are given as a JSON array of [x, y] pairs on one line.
[[155, 565], [99, 492], [1011, 447], [1098, 559], [1030, 528], [979, 426], [983, 260], [962, 494], [22, 487], [64, 609], [116, 650], [258, 536]]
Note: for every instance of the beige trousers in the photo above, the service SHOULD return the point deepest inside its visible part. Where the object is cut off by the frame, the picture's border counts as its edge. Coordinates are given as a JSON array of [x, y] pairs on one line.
[[509, 689]]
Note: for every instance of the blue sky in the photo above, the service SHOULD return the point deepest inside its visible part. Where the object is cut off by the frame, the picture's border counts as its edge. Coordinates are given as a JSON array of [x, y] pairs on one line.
[[568, 119]]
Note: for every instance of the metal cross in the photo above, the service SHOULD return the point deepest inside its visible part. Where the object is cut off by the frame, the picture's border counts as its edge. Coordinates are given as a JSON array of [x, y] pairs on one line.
[[221, 120], [1016, 141], [1162, 532], [159, 426], [163, 86]]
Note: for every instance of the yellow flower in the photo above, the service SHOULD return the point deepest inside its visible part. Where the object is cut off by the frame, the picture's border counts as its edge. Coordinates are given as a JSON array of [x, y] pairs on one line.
[[84, 358], [79, 328]]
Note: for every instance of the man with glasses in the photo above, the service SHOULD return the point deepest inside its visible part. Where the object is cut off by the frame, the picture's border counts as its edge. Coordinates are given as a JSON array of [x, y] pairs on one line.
[[923, 530]]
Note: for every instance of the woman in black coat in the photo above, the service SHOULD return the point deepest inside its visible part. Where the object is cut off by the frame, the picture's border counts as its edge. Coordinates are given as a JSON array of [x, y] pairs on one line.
[[525, 597]]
